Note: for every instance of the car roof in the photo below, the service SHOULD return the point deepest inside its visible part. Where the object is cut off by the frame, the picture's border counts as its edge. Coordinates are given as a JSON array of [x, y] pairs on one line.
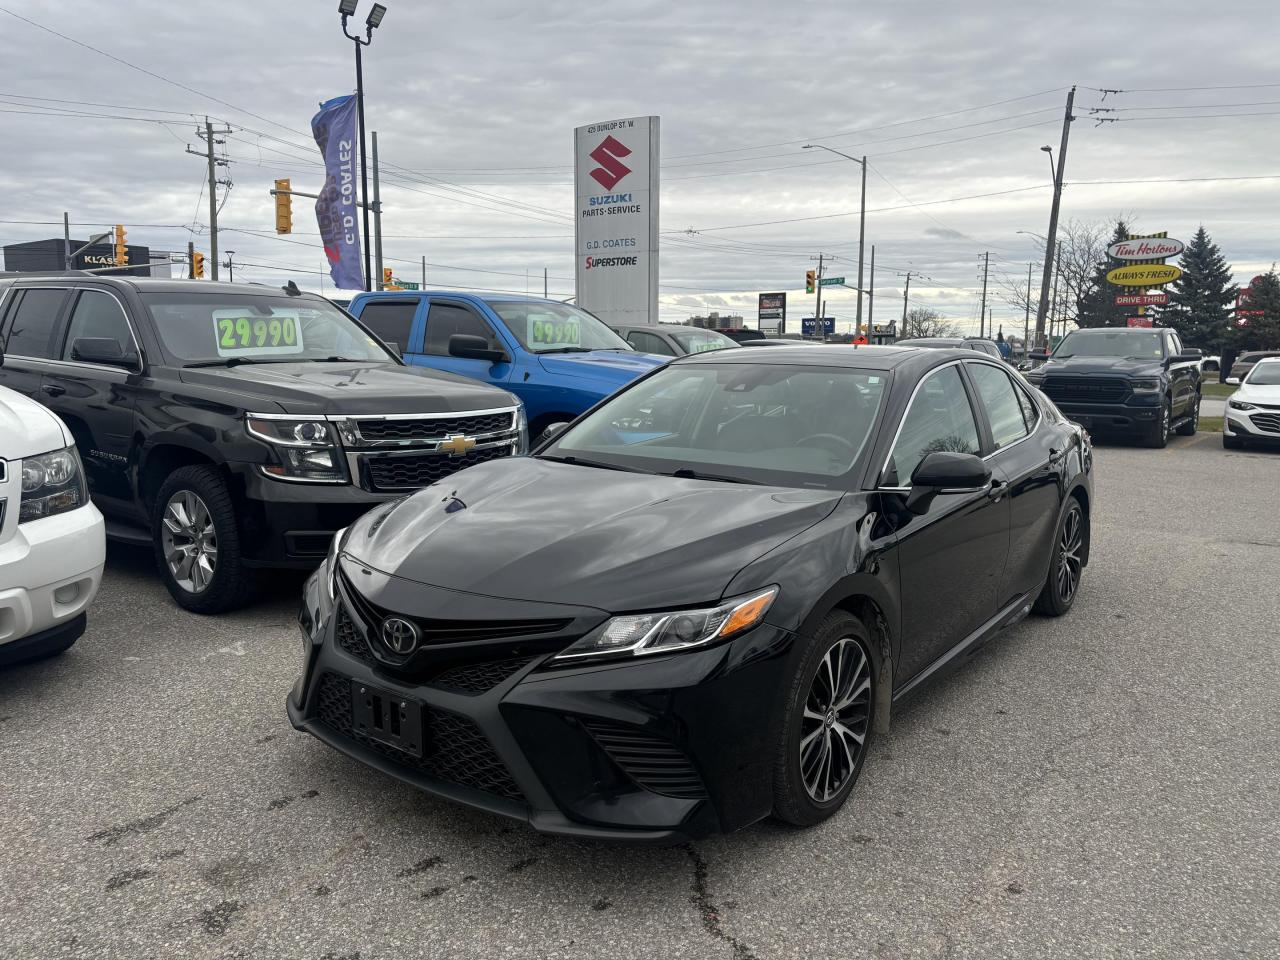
[[934, 341], [153, 284], [839, 355]]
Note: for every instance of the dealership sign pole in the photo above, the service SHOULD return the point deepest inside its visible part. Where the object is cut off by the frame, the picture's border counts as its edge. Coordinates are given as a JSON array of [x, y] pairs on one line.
[[615, 177]]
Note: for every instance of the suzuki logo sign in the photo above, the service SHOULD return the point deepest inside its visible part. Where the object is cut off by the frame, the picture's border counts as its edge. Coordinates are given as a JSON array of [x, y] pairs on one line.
[[611, 170]]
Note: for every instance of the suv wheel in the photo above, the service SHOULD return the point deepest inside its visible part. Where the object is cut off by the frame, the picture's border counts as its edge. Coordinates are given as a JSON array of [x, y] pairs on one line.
[[1189, 428], [1065, 565], [827, 724], [1158, 434], [197, 542]]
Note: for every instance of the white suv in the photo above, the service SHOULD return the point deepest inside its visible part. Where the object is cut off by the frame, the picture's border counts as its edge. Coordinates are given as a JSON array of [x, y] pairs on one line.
[[1253, 411], [52, 539]]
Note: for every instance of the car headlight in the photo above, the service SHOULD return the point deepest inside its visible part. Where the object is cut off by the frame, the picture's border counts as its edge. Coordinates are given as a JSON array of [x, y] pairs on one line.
[[646, 633], [329, 571], [307, 447], [1240, 405], [1144, 386], [522, 428], [52, 483]]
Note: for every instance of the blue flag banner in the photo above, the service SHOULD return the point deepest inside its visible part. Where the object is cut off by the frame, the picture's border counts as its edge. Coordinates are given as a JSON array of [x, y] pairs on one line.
[[334, 128]]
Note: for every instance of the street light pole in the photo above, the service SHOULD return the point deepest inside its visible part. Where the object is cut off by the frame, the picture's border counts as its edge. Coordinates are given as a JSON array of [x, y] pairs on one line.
[[346, 8], [1051, 240], [862, 215]]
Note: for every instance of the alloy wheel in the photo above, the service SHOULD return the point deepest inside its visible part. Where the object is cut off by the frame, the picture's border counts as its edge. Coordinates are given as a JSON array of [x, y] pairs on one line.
[[837, 716], [190, 541], [1069, 562]]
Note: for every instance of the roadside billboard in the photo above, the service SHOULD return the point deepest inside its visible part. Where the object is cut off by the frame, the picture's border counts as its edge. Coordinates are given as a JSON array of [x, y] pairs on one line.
[[615, 176], [772, 314]]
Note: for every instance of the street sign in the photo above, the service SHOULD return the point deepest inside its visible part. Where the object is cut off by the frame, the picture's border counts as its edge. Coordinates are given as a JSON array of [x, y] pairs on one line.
[[1141, 299], [807, 326], [831, 281], [1140, 322], [1139, 248], [407, 284], [1144, 275]]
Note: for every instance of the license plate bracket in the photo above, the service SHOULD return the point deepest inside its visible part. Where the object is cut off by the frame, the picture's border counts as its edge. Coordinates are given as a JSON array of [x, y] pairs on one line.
[[387, 718]]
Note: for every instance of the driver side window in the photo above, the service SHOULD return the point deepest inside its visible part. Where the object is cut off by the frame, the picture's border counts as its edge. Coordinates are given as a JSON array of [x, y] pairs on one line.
[[940, 419], [446, 319]]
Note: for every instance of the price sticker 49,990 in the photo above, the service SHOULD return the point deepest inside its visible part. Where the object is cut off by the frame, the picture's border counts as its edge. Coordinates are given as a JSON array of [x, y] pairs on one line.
[[237, 334]]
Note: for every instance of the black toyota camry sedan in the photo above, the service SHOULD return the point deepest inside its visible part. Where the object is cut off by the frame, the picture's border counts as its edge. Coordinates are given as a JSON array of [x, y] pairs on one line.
[[695, 606]]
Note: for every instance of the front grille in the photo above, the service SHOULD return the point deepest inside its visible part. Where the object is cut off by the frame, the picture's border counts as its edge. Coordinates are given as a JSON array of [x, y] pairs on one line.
[[349, 638], [456, 752], [1270, 422], [387, 473], [652, 763], [434, 428], [476, 678], [1085, 389]]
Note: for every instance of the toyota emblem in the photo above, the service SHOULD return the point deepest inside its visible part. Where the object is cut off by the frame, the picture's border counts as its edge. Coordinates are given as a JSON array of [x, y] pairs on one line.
[[400, 636]]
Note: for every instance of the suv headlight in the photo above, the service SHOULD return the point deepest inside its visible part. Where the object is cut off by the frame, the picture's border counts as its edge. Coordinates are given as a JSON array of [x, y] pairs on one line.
[[1240, 405], [522, 428], [307, 447], [645, 633], [52, 483], [1144, 386]]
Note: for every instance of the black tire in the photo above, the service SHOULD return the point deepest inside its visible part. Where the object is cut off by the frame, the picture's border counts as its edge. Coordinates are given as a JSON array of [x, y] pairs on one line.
[[1189, 428], [794, 800], [1157, 436], [229, 585], [1066, 562]]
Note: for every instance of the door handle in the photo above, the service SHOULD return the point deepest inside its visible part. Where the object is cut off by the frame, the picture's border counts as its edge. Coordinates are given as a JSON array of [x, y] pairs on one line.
[[53, 390], [998, 490]]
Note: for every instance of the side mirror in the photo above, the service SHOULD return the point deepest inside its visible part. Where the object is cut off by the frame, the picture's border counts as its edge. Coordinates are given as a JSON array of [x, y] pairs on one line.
[[103, 350], [1185, 357], [552, 429], [1042, 357], [946, 473], [470, 347], [394, 347], [1233, 381], [1192, 352]]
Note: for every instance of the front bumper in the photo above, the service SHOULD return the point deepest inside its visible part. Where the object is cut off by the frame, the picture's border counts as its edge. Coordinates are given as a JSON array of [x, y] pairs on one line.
[[661, 749], [50, 570], [1110, 417], [1259, 426]]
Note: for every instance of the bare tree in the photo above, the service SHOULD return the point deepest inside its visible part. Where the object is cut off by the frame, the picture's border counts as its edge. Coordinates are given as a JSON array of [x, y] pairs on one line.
[[923, 322], [1083, 246]]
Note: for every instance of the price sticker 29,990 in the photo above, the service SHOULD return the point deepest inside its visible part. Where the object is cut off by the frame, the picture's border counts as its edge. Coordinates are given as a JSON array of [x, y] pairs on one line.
[[241, 334]]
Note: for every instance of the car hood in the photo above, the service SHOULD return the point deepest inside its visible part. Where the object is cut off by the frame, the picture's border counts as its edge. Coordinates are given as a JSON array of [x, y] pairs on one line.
[[350, 388], [1121, 366], [612, 366], [27, 428], [1258, 393], [549, 532]]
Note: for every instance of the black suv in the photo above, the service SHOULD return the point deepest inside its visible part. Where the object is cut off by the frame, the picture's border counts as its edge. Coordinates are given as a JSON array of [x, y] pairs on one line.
[[237, 426], [1141, 382]]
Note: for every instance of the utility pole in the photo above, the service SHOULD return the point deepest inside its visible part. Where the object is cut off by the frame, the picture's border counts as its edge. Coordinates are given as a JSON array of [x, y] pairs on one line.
[[207, 135], [871, 291], [1057, 268], [544, 283], [982, 313], [1026, 320], [424, 273], [862, 232], [191, 260], [231, 270], [1051, 239], [66, 240], [906, 289], [817, 293], [377, 216]]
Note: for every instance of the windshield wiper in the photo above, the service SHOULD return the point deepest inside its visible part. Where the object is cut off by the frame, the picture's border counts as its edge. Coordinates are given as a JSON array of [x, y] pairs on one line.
[[687, 473], [582, 462], [221, 362], [543, 353]]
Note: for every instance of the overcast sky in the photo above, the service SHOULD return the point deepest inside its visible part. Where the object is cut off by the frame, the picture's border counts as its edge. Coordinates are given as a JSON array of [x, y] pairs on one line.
[[475, 104]]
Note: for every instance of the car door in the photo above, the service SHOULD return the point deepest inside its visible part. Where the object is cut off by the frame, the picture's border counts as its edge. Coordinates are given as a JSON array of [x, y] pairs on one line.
[[28, 327], [951, 558], [393, 320], [96, 401], [1027, 455], [1183, 378], [448, 317]]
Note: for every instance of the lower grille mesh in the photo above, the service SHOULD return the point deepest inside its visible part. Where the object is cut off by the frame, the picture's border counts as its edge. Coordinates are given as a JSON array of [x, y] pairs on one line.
[[480, 677], [652, 763], [458, 752]]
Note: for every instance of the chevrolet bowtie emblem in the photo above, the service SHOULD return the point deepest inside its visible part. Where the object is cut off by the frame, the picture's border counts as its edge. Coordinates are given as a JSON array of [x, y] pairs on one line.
[[456, 444]]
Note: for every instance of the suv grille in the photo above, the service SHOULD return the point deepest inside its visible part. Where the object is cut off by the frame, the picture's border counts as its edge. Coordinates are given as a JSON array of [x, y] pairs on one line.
[[1269, 422], [652, 763], [434, 428], [389, 473], [1085, 389], [457, 751]]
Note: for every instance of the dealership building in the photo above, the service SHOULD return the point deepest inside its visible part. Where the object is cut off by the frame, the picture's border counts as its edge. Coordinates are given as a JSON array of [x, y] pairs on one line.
[[50, 256]]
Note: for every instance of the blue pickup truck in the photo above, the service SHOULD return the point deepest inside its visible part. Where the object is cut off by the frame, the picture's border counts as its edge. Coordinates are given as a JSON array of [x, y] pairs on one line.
[[558, 359]]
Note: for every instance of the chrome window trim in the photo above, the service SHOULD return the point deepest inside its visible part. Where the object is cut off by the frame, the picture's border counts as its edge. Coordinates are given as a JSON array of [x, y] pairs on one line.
[[77, 290]]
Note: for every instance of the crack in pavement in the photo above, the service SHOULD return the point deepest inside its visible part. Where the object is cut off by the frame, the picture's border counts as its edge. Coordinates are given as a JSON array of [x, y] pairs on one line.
[[708, 912]]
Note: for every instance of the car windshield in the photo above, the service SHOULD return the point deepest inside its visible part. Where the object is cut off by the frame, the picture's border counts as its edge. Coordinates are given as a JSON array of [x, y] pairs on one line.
[[1265, 374], [1140, 344], [214, 328], [543, 327], [773, 423], [702, 341]]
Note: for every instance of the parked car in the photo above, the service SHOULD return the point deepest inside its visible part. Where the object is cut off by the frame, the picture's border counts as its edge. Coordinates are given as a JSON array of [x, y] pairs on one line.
[[987, 347], [558, 359], [1253, 411], [696, 605], [1245, 362], [673, 340], [742, 335], [235, 427], [1139, 382], [1210, 365], [52, 547]]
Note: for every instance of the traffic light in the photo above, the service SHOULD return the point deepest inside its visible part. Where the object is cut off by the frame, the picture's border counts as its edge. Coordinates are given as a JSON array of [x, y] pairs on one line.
[[122, 251], [810, 280], [197, 265], [284, 207]]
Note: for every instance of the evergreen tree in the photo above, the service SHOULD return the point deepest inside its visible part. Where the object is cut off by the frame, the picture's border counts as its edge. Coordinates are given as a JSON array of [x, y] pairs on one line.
[[1200, 300], [1263, 332], [1097, 307]]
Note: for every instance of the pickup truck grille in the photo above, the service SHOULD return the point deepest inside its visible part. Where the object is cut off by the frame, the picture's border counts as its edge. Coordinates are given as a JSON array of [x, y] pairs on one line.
[[434, 428], [396, 472], [1085, 389]]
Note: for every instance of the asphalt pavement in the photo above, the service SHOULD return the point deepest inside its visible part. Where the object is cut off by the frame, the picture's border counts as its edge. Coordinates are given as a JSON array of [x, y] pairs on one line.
[[1102, 785]]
